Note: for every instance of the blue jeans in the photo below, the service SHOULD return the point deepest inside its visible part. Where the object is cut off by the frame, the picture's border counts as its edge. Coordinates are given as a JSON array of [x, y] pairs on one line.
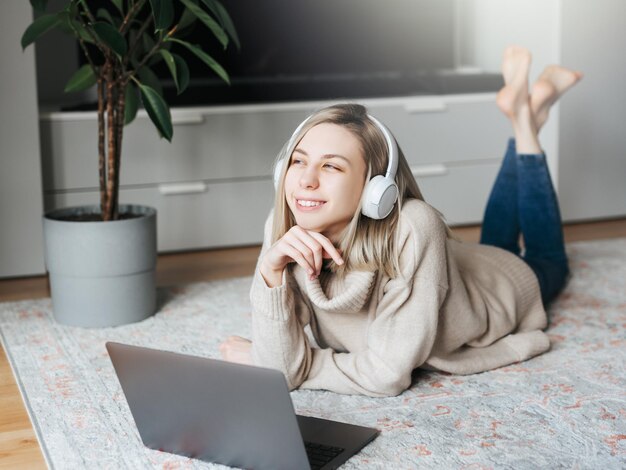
[[523, 200]]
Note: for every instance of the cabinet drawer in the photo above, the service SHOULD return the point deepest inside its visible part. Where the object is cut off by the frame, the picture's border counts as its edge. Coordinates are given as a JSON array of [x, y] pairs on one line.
[[201, 215], [221, 215], [242, 142], [459, 192], [207, 144], [443, 129]]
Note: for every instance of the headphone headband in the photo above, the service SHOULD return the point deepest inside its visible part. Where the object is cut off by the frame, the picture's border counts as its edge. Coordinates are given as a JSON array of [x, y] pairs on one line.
[[392, 148]]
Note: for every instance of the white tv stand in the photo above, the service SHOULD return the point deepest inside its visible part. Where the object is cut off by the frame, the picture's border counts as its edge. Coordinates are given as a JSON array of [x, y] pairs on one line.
[[212, 185]]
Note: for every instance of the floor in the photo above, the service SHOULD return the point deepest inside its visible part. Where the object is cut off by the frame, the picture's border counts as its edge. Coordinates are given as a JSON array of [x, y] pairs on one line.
[[18, 444]]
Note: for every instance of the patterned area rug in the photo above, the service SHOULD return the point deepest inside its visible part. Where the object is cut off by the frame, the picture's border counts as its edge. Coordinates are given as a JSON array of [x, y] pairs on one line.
[[566, 408]]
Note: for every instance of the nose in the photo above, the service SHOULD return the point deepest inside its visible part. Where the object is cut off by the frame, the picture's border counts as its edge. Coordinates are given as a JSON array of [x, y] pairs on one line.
[[309, 178]]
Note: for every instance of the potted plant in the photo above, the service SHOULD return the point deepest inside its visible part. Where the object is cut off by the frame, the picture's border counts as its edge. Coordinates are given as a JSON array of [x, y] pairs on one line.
[[101, 259]]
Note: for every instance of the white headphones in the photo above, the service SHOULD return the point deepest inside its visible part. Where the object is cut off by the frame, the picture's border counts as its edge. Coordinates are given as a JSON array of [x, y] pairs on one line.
[[381, 192]]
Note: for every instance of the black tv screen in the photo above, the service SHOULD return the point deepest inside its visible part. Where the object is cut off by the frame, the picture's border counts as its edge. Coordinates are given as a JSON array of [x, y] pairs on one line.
[[309, 38], [295, 50], [324, 49]]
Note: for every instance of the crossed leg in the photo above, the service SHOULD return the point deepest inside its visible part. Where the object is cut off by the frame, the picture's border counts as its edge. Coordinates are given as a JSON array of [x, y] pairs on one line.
[[523, 198]]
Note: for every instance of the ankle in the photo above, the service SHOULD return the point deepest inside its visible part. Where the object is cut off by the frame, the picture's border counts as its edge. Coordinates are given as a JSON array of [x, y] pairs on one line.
[[523, 113], [526, 138], [528, 146]]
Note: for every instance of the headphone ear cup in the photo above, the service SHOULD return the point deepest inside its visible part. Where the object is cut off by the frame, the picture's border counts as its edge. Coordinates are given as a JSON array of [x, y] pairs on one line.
[[379, 196], [278, 169]]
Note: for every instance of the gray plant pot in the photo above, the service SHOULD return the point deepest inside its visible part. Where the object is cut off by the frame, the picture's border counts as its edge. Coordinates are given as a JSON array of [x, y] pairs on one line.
[[101, 273]]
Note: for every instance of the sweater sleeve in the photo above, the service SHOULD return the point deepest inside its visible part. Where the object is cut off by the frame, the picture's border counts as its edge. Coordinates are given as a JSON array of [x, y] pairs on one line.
[[278, 320], [401, 336]]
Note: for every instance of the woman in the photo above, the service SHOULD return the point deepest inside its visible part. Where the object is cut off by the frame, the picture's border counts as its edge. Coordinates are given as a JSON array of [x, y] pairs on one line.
[[385, 295]]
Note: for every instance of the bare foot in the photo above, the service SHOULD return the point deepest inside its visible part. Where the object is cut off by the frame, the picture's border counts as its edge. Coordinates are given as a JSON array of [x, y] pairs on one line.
[[514, 101], [513, 98], [551, 84]]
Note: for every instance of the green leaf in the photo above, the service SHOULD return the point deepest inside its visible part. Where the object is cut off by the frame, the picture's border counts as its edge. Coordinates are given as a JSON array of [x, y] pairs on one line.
[[204, 57], [65, 20], [105, 15], [132, 103], [40, 26], [163, 12], [158, 111], [81, 80], [171, 64], [70, 25], [178, 68], [182, 71], [39, 5], [111, 37], [224, 18], [186, 19], [148, 77], [210, 23], [78, 28], [119, 4]]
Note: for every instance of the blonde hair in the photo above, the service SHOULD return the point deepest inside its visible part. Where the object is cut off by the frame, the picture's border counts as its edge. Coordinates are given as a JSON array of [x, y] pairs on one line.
[[366, 244]]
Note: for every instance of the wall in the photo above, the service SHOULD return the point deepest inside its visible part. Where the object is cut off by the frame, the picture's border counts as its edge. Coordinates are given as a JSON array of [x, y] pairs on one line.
[[593, 131], [487, 27], [21, 246]]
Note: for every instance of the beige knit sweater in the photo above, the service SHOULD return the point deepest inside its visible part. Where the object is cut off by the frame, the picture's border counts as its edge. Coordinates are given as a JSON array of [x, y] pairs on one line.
[[456, 307]]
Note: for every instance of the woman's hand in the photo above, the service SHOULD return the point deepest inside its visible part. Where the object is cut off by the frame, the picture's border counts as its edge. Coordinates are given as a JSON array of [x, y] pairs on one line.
[[237, 349], [305, 247]]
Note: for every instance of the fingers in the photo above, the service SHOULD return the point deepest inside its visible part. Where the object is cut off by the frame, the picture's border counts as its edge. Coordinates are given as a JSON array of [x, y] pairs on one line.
[[319, 248], [236, 349], [328, 247], [306, 248]]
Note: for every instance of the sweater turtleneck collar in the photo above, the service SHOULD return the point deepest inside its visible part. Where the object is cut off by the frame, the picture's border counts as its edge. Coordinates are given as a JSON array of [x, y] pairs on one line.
[[334, 293]]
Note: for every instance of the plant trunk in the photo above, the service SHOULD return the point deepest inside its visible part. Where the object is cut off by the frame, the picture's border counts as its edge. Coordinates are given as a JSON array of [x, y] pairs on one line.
[[101, 158], [111, 147], [120, 105], [111, 106]]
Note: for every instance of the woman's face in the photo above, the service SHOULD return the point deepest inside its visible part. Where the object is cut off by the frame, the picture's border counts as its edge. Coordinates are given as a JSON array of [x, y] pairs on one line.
[[325, 179]]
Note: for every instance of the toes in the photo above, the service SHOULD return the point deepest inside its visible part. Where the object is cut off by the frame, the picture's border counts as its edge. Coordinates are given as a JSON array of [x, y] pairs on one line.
[[560, 77], [515, 64]]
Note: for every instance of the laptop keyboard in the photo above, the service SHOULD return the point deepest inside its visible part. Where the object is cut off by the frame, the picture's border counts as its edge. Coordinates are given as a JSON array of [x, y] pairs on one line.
[[319, 455]]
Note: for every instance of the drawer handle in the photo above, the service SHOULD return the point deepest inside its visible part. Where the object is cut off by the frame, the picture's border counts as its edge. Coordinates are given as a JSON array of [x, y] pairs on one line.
[[425, 105], [182, 188], [182, 118], [429, 170]]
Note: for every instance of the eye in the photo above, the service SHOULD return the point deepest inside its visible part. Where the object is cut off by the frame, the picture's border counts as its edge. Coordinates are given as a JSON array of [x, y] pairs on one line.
[[296, 161], [331, 166]]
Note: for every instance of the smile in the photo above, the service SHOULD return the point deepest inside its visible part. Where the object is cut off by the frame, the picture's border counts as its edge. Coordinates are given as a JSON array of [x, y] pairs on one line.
[[308, 204]]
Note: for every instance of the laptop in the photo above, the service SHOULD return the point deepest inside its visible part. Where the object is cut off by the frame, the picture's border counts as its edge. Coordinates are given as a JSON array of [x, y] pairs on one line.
[[227, 413]]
